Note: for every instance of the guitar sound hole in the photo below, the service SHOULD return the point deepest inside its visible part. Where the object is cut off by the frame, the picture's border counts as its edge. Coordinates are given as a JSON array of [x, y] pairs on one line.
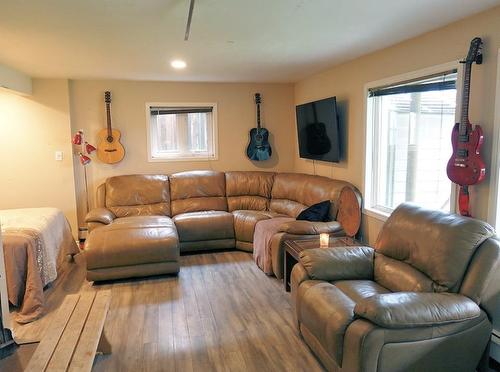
[[109, 139]]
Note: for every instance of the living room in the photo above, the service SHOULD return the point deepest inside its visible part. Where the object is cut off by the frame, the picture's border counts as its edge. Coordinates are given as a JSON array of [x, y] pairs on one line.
[[238, 66]]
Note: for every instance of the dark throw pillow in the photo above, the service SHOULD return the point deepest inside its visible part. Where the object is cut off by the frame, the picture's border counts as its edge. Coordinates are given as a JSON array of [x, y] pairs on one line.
[[316, 213]]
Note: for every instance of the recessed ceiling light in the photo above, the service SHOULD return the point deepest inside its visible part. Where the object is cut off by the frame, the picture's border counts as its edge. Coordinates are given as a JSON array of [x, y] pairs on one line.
[[178, 64]]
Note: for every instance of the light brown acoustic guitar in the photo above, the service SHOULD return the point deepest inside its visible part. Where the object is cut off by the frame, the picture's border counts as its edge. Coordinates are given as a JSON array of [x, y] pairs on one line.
[[109, 148]]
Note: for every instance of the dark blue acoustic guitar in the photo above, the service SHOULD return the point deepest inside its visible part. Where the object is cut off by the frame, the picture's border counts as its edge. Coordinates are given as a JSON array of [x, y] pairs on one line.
[[259, 148]]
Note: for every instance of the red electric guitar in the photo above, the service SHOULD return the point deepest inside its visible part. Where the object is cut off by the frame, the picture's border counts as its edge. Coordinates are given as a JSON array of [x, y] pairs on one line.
[[466, 167]]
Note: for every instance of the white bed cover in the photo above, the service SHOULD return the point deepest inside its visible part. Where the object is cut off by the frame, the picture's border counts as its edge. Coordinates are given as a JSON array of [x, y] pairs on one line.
[[50, 223]]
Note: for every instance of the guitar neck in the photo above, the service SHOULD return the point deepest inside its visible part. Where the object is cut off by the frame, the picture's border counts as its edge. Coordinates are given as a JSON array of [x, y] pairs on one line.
[[464, 117], [258, 116], [108, 119]]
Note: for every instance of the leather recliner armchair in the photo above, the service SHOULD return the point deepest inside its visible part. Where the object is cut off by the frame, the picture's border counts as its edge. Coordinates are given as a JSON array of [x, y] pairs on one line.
[[411, 303]]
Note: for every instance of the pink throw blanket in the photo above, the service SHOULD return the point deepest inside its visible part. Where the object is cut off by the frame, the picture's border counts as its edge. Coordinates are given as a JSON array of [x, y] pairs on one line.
[[264, 232]]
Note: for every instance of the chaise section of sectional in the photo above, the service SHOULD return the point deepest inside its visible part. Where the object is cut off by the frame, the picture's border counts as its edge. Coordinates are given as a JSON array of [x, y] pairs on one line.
[[132, 247], [130, 231]]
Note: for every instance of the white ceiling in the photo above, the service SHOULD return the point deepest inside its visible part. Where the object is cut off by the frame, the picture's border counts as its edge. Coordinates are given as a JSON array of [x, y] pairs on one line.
[[231, 40]]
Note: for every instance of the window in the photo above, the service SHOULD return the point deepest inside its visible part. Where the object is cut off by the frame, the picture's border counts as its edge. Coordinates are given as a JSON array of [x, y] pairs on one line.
[[409, 127], [182, 132]]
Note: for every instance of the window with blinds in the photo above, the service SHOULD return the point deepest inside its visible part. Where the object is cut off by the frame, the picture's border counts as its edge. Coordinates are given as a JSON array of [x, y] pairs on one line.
[[409, 139], [182, 133]]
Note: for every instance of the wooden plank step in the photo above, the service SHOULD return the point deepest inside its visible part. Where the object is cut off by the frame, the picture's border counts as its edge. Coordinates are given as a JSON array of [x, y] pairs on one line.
[[46, 348], [69, 339], [85, 351]]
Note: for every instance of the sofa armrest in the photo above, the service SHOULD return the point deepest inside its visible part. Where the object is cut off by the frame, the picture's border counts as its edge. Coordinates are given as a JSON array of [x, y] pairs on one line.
[[101, 215], [310, 228], [415, 309], [338, 263]]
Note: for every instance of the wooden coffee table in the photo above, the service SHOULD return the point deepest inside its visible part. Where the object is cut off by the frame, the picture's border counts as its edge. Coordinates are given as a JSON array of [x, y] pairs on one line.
[[294, 247]]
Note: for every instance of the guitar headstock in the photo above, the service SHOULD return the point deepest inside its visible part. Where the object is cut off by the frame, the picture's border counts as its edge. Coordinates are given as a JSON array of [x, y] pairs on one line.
[[475, 52], [107, 96], [257, 98]]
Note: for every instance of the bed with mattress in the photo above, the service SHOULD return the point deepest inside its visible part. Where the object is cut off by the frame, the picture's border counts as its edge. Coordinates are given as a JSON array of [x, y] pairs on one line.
[[36, 243]]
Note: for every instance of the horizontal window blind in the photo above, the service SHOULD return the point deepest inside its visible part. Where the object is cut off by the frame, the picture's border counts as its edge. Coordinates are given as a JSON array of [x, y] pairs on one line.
[[442, 81], [179, 110]]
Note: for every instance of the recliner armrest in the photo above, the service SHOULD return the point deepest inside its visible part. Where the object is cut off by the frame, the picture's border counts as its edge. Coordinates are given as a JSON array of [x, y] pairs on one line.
[[339, 263], [415, 309], [101, 215], [310, 228]]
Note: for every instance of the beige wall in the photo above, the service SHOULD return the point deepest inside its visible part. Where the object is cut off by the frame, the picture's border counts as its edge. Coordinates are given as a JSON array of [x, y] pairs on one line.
[[32, 128], [347, 82], [236, 116]]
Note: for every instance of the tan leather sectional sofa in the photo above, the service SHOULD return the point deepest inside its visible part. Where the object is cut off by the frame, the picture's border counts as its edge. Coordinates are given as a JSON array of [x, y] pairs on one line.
[[142, 222], [414, 302]]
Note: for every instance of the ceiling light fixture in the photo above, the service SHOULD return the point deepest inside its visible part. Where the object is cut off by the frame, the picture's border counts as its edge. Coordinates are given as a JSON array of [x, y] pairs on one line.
[[178, 64]]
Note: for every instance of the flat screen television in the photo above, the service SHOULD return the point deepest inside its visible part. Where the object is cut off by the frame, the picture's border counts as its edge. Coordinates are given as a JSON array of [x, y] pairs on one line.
[[318, 130]]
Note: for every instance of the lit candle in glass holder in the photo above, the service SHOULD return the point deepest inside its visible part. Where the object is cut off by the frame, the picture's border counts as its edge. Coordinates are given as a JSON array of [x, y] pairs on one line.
[[323, 240]]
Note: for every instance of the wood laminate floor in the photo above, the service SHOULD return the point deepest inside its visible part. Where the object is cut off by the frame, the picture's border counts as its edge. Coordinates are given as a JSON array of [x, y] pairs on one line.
[[220, 314]]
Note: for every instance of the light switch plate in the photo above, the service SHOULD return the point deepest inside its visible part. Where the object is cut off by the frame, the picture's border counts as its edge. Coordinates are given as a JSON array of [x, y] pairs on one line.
[[59, 155]]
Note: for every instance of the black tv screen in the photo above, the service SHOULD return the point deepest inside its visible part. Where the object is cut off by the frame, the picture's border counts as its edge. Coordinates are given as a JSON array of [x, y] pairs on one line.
[[318, 130]]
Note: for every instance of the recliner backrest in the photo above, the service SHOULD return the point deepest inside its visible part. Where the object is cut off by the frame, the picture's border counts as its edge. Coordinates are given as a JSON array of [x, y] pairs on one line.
[[195, 191], [248, 190], [136, 195], [294, 192], [426, 250]]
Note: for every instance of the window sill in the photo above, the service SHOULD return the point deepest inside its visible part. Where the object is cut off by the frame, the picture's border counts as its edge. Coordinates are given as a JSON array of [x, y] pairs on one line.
[[170, 160], [375, 213]]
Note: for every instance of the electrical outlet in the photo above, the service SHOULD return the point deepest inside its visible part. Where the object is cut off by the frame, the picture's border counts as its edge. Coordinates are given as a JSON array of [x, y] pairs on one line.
[[59, 155]]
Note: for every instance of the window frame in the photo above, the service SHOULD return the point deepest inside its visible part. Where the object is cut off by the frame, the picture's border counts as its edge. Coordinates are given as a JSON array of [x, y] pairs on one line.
[[494, 177], [370, 145], [215, 132]]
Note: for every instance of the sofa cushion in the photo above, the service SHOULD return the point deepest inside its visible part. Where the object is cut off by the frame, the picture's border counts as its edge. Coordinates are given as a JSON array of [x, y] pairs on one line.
[[206, 225], [132, 241], [357, 290], [248, 190], [244, 223], [326, 312], [409, 309], [399, 276], [292, 193], [437, 244], [198, 191], [138, 195]]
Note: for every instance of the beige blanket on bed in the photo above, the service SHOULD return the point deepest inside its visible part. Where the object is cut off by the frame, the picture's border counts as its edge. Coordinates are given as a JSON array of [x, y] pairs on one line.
[[33, 256], [264, 232]]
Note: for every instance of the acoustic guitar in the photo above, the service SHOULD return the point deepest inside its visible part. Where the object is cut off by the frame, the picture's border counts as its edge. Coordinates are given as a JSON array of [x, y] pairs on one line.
[[466, 167], [109, 148], [259, 148]]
